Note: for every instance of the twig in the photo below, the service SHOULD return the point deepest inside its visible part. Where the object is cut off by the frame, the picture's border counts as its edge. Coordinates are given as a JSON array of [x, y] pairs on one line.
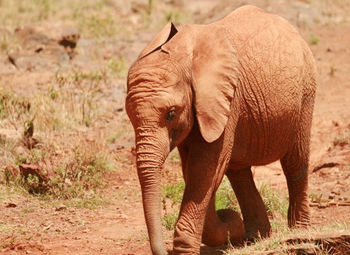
[[325, 165]]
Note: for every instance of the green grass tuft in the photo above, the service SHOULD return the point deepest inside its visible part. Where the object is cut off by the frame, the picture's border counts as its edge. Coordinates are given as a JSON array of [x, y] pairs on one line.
[[174, 192], [169, 221], [313, 39], [275, 204], [225, 197]]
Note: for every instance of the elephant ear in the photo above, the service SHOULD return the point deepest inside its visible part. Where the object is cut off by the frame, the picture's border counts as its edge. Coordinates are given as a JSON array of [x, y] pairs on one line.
[[161, 38], [214, 76]]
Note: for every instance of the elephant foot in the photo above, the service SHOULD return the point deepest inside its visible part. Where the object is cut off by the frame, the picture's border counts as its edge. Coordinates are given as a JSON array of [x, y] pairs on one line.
[[234, 224], [299, 210], [228, 227], [257, 229], [299, 215], [256, 221]]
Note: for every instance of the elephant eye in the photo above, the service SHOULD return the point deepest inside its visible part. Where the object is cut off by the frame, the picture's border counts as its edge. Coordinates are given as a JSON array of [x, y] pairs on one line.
[[170, 115]]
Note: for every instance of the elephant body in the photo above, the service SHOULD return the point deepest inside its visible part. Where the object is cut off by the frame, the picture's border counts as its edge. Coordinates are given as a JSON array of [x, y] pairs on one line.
[[231, 94], [269, 104]]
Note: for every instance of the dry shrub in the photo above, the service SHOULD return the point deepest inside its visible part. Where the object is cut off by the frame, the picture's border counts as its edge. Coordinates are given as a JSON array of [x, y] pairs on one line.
[[76, 173]]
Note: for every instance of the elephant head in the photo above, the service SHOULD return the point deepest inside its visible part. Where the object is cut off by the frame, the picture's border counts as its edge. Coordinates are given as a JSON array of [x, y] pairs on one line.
[[180, 79]]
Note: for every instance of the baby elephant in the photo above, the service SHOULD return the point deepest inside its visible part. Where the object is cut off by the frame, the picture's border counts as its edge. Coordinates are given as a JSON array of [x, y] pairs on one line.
[[229, 95]]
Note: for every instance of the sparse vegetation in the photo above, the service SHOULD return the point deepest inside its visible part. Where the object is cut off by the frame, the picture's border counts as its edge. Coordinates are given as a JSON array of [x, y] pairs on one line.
[[13, 107], [276, 205], [225, 197], [70, 101], [169, 220], [174, 192], [79, 175], [275, 202], [97, 26], [282, 241], [90, 201], [313, 39]]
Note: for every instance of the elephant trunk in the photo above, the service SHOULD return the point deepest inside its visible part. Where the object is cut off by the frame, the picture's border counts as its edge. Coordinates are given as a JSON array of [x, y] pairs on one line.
[[150, 158]]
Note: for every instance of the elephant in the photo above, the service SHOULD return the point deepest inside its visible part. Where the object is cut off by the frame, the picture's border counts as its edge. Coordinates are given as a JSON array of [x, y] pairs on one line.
[[235, 93]]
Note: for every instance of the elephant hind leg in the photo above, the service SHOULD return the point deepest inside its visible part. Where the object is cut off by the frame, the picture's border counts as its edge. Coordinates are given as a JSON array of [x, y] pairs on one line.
[[221, 226], [255, 218], [295, 167], [296, 173]]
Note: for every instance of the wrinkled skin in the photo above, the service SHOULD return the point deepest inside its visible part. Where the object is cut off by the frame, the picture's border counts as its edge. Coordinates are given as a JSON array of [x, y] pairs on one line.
[[231, 94]]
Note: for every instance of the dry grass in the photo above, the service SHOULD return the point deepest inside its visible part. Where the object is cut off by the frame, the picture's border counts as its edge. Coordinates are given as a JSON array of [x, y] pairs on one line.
[[94, 18], [278, 243], [61, 118]]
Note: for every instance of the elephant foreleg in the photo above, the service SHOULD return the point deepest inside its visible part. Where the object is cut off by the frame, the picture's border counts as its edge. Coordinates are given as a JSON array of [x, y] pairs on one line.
[[252, 206], [189, 227], [203, 167], [222, 225]]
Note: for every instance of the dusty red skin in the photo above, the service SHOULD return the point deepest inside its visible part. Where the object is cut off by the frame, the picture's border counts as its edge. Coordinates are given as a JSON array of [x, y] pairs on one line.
[[231, 94]]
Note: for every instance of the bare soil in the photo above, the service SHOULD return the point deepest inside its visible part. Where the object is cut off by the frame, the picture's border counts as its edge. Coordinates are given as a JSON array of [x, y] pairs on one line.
[[30, 225]]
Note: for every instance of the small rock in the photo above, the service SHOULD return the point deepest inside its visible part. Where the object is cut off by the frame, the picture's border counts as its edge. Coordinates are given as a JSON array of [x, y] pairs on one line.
[[39, 49], [10, 205], [69, 37], [335, 123], [61, 208]]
